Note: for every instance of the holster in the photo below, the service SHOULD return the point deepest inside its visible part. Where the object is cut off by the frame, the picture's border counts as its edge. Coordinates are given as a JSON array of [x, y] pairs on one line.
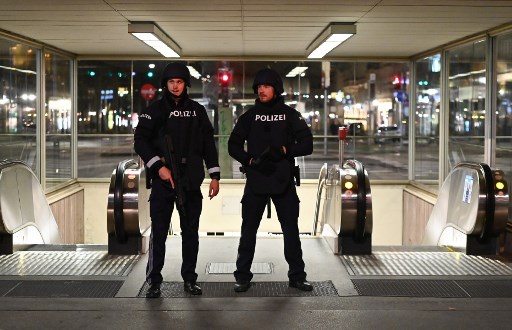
[[148, 178], [296, 175]]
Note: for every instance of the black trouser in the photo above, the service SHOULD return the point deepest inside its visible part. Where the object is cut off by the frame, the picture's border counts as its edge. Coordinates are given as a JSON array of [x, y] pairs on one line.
[[287, 208], [161, 207]]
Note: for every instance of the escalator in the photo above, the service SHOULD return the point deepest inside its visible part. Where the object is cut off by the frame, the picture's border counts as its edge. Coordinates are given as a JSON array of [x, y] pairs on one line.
[[30, 243], [343, 213], [128, 221], [25, 216], [470, 213], [471, 210]]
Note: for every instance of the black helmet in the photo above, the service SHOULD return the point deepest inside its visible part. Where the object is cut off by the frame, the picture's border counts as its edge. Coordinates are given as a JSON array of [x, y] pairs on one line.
[[268, 77], [176, 70]]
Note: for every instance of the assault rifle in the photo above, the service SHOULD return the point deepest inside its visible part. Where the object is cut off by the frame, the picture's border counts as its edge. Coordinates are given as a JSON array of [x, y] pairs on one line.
[[172, 164]]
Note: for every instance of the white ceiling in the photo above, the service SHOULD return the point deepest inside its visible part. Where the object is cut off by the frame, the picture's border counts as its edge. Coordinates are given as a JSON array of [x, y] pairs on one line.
[[255, 28]]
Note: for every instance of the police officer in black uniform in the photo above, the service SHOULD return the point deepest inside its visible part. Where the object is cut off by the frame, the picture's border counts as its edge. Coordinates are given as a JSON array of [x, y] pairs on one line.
[[187, 122], [275, 134]]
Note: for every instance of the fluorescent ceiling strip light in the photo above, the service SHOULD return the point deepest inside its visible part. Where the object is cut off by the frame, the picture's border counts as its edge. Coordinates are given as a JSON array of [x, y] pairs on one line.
[[330, 38], [154, 37], [296, 71], [193, 72]]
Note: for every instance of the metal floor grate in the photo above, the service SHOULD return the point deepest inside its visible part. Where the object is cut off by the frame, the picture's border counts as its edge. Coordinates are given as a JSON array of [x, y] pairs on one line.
[[258, 289], [408, 288], [424, 263], [64, 289], [487, 289], [66, 263], [433, 288], [6, 286], [230, 267]]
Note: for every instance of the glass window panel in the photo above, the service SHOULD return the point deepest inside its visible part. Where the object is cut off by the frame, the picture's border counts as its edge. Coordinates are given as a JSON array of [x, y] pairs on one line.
[[426, 118], [466, 79], [352, 86], [105, 113], [504, 108], [58, 117], [372, 100], [18, 117]]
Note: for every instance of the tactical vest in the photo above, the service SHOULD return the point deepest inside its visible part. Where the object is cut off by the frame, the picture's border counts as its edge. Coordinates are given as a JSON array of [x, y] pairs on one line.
[[270, 128]]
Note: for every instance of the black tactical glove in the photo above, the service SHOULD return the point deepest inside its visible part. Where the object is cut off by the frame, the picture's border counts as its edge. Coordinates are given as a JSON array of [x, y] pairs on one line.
[[263, 165], [272, 153]]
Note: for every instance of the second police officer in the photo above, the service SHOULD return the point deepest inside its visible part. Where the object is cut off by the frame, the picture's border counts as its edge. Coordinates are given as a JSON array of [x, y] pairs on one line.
[[187, 122], [275, 134]]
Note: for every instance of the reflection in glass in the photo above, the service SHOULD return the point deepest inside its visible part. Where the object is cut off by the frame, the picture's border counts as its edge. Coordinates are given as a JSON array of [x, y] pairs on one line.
[[58, 117], [466, 79], [18, 116], [361, 95], [504, 107], [426, 119]]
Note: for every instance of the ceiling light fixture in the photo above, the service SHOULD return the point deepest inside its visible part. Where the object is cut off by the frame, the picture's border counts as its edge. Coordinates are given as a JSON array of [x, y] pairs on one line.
[[153, 36], [296, 71], [331, 37], [193, 72]]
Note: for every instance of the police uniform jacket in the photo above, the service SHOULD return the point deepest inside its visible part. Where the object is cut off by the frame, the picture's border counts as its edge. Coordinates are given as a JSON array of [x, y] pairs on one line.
[[271, 124], [192, 134]]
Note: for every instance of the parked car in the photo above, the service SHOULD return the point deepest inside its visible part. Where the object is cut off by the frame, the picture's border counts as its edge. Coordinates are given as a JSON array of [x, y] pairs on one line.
[[356, 129], [387, 134]]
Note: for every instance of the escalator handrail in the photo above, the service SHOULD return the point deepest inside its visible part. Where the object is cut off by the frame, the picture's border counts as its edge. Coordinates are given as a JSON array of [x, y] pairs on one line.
[[120, 231], [5, 163], [361, 198], [321, 182], [490, 202], [486, 174]]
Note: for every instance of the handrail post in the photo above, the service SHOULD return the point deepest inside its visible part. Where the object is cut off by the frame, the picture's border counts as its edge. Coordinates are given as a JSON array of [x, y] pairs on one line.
[[342, 135]]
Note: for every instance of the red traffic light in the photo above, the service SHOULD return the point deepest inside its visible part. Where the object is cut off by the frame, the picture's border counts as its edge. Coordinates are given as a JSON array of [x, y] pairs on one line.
[[396, 82], [224, 77]]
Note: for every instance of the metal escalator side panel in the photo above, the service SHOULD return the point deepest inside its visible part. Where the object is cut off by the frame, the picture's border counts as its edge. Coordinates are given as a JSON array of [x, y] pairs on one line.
[[368, 224], [130, 200], [471, 223], [349, 201], [332, 208], [356, 200], [119, 224], [118, 198], [460, 205], [24, 207], [35, 204], [361, 201], [111, 229], [489, 202], [501, 202], [10, 211], [135, 202], [143, 202], [128, 206], [320, 201]]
